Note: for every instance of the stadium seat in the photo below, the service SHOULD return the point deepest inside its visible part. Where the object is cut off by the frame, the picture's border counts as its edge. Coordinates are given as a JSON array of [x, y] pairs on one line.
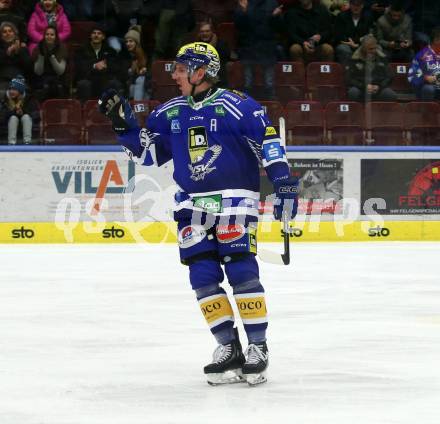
[[289, 81], [304, 123], [384, 123], [400, 83], [422, 121], [325, 81], [61, 121], [97, 127], [164, 88], [226, 32], [345, 123]]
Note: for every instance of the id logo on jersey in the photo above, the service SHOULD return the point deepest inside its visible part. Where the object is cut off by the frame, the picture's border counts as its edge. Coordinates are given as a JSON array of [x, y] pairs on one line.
[[198, 143]]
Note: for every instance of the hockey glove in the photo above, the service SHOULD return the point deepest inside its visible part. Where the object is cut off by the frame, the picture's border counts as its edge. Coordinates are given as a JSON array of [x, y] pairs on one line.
[[118, 110], [286, 200]]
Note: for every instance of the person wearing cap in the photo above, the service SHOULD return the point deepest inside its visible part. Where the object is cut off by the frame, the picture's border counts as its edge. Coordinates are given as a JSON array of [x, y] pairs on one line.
[[47, 13], [14, 56], [135, 62], [216, 140], [350, 26], [18, 108], [96, 66]]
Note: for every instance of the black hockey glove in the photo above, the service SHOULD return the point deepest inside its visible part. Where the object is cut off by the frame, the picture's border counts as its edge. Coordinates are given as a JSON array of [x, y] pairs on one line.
[[118, 110], [286, 200]]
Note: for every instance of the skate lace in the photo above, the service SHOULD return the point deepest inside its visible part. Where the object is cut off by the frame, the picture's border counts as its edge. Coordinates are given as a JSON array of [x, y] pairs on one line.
[[221, 353], [254, 354]]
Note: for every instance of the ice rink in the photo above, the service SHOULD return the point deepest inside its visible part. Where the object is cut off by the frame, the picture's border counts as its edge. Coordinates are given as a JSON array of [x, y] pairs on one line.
[[112, 335]]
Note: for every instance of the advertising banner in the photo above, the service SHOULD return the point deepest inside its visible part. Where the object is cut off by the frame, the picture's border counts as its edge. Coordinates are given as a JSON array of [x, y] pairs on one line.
[[321, 186], [407, 186]]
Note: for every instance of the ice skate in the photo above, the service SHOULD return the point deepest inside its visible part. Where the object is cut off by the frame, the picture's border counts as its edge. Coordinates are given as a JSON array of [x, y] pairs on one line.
[[226, 365], [257, 360]]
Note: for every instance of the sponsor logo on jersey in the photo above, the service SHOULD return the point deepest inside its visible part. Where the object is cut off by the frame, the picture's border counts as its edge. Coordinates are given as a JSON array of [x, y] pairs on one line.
[[233, 98], [198, 143], [190, 236], [211, 204], [252, 232], [195, 118], [229, 233], [173, 112], [220, 110], [239, 94], [270, 131], [175, 126], [272, 151]]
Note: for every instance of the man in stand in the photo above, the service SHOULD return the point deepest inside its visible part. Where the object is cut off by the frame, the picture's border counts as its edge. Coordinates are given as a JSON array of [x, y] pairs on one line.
[[217, 140]]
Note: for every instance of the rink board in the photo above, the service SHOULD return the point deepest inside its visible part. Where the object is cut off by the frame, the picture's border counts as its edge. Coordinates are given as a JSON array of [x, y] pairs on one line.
[[153, 232], [95, 195]]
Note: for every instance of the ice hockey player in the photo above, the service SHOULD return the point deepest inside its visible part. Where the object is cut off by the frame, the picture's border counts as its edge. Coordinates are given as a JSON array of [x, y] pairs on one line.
[[216, 139]]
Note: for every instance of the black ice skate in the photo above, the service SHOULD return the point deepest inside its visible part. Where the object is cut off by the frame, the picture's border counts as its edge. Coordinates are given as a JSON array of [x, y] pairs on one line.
[[226, 365], [257, 360]]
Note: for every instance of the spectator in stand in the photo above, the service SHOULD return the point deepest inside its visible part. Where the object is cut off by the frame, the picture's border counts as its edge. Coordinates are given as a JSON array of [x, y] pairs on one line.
[[96, 66], [350, 27], [207, 35], [368, 76], [394, 33], [173, 19], [78, 10], [136, 64], [309, 30], [256, 22], [426, 18], [47, 13], [424, 73], [14, 56], [377, 7], [17, 107], [9, 14], [335, 7], [50, 61]]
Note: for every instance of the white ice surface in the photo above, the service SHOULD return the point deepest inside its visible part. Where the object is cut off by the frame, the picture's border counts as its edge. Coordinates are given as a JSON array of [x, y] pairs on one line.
[[113, 335]]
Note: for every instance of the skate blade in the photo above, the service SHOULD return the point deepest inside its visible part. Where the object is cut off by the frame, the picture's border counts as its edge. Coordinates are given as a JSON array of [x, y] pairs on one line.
[[255, 379], [227, 377]]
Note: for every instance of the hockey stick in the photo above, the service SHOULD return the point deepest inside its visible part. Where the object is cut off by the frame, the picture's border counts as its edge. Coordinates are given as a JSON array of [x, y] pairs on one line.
[[268, 255]]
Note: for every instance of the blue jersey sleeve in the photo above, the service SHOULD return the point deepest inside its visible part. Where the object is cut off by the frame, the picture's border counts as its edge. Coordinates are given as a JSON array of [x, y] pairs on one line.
[[150, 145], [265, 141], [415, 73]]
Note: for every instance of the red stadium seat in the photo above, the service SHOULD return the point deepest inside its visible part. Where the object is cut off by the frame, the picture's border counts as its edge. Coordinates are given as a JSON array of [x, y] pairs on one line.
[[325, 81], [164, 88], [422, 121], [304, 123], [345, 123], [400, 83], [226, 32], [62, 121], [384, 123], [97, 127], [289, 81]]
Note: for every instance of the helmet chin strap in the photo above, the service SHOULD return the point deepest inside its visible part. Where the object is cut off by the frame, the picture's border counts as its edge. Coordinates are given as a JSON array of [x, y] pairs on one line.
[[193, 85]]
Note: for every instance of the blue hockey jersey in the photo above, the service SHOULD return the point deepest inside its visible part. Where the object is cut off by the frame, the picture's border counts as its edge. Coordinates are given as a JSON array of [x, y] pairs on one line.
[[216, 145], [426, 62]]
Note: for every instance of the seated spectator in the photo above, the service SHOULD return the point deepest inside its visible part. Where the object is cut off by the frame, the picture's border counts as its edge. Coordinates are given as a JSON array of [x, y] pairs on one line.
[[50, 61], [394, 33], [96, 66], [47, 13], [207, 35], [377, 7], [14, 56], [368, 76], [335, 7], [136, 62], [256, 21], [18, 108], [309, 30], [9, 14], [350, 27], [424, 73]]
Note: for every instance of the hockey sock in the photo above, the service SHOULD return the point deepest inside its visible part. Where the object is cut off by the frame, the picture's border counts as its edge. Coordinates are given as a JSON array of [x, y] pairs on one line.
[[217, 311], [251, 304]]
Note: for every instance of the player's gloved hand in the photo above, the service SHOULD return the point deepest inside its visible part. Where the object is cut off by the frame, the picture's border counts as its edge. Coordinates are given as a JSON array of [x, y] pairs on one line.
[[286, 192], [118, 109]]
